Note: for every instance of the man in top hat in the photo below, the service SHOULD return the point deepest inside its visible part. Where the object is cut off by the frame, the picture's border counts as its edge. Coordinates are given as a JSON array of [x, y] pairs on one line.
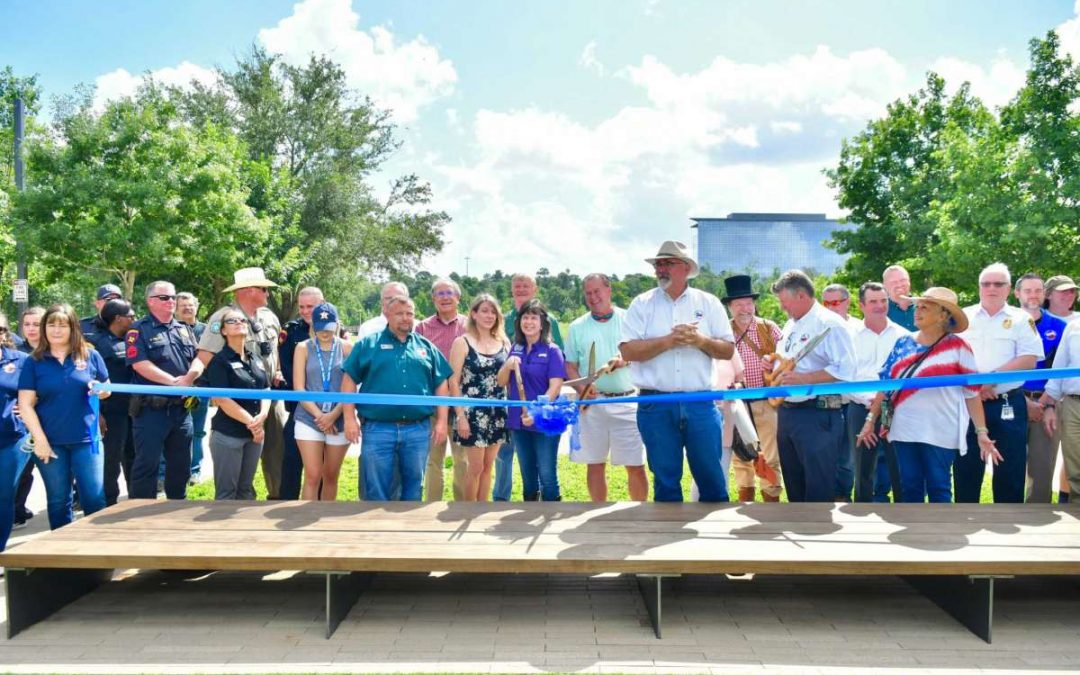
[[252, 289], [92, 324], [670, 335], [754, 338]]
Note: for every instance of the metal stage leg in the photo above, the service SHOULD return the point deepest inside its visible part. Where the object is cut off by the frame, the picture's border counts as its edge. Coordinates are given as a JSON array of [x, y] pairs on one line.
[[651, 587], [342, 591], [35, 594], [969, 600]]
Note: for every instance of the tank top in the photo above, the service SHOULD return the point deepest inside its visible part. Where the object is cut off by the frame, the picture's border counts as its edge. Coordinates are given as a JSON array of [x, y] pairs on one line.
[[313, 377]]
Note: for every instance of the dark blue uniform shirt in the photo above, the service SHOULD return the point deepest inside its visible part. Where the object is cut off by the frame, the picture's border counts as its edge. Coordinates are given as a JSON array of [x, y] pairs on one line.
[[292, 334], [112, 350], [11, 427], [170, 346], [63, 391]]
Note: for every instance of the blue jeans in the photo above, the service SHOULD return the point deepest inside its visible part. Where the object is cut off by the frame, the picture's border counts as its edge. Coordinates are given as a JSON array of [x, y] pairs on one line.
[[78, 460], [388, 448], [1010, 476], [503, 484], [668, 428], [537, 459], [12, 462], [198, 433], [925, 471]]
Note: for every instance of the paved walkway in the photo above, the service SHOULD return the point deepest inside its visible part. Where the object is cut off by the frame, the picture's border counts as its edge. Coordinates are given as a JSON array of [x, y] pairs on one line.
[[245, 622]]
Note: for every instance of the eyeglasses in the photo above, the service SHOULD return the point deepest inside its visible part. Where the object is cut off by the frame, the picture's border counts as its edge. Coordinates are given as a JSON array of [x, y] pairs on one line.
[[445, 294], [659, 264], [164, 298], [835, 303], [993, 284], [233, 321]]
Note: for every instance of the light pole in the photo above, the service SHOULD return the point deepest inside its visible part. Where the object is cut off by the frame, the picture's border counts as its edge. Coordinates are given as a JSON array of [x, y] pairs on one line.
[[21, 285]]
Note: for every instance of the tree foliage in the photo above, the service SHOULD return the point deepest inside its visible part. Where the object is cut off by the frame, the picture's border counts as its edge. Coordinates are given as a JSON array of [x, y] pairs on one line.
[[945, 186]]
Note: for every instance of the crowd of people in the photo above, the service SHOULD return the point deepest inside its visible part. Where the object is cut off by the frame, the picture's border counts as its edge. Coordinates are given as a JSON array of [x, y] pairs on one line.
[[909, 445]]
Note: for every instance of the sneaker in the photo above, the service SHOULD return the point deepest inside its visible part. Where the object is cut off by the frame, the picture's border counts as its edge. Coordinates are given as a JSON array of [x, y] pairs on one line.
[[18, 525], [26, 514], [195, 479]]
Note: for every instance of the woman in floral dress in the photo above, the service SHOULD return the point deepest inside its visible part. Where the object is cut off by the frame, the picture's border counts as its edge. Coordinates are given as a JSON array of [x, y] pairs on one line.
[[476, 357]]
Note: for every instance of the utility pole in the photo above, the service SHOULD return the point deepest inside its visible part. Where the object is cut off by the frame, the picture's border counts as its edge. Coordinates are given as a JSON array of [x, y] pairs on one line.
[[466, 265], [20, 293]]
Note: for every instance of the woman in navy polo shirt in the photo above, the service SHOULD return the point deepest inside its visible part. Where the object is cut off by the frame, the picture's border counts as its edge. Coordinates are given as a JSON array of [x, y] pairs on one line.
[[236, 432], [54, 402], [543, 370], [12, 431], [119, 445]]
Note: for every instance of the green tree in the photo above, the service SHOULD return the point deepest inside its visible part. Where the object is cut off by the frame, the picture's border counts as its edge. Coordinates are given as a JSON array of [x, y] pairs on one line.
[[136, 192], [318, 144]]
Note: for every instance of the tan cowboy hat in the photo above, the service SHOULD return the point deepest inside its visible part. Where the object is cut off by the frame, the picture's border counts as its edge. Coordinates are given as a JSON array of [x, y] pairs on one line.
[[946, 299], [250, 277], [676, 250]]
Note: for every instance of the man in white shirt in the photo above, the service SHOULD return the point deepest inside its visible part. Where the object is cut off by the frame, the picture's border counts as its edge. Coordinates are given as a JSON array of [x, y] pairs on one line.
[[1061, 413], [810, 429], [377, 324], [1003, 338], [873, 341], [670, 335]]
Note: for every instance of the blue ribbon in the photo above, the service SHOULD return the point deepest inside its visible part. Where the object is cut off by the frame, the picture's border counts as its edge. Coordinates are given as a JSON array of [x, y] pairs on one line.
[[715, 395]]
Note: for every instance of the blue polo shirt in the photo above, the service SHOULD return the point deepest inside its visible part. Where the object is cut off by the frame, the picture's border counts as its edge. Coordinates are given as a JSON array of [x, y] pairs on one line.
[[904, 317], [11, 427], [1049, 328], [170, 346], [63, 404], [383, 364], [538, 366]]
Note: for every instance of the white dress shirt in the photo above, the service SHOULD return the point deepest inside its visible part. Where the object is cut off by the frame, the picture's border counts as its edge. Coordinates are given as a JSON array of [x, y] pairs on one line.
[[1000, 338], [871, 350], [653, 314], [836, 353], [1068, 356]]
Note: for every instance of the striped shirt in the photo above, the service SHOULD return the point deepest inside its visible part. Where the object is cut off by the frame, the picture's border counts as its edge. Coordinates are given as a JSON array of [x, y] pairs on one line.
[[749, 348], [442, 333]]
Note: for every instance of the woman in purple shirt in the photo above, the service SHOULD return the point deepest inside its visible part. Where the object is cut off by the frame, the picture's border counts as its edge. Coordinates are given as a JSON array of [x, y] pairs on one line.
[[542, 368]]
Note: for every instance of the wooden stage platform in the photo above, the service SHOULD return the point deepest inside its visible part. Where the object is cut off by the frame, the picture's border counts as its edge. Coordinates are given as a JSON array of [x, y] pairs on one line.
[[953, 553]]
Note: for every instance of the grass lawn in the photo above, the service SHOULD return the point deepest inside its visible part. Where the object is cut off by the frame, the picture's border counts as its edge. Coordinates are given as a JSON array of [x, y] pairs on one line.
[[571, 482]]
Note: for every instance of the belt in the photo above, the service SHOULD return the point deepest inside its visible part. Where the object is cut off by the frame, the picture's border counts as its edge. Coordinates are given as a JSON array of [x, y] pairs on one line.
[[1033, 395], [652, 392], [615, 394], [826, 402], [1073, 396]]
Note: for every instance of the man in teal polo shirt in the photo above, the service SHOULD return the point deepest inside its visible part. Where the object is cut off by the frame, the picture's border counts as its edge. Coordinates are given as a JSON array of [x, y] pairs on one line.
[[396, 438]]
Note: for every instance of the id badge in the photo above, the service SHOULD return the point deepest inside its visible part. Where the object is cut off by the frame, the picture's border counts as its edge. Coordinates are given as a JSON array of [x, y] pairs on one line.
[[1007, 413], [327, 406]]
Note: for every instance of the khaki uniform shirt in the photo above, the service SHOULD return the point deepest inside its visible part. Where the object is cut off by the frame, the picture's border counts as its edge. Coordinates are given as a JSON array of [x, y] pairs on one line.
[[261, 342]]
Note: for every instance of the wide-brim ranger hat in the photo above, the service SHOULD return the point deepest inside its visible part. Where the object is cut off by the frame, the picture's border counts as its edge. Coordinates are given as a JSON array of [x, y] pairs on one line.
[[738, 286], [946, 299], [250, 277], [676, 250]]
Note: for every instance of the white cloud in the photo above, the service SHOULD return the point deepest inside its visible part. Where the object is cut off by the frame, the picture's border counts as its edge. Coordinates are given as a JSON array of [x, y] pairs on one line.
[[1069, 32], [588, 60], [995, 85], [785, 127], [403, 76], [120, 83]]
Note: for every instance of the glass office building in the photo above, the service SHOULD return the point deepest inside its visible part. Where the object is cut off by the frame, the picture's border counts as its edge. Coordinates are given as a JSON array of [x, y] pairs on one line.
[[759, 243]]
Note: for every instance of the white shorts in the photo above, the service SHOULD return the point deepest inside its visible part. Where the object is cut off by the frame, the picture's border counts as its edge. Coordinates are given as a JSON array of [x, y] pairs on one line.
[[303, 432], [611, 426]]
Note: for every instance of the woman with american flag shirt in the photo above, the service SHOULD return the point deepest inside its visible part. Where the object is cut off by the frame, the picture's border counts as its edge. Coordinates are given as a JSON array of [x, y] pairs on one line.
[[928, 426]]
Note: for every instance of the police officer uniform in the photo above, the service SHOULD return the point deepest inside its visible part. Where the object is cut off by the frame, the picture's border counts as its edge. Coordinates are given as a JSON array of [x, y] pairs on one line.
[[995, 340], [261, 344], [292, 333], [118, 441], [161, 424]]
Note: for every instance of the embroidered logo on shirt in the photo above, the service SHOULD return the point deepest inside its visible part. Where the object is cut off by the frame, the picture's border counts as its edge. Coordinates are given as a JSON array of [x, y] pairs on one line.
[[9, 367], [699, 314], [1007, 323], [132, 351], [80, 365], [1050, 335], [132, 336], [386, 346], [422, 353]]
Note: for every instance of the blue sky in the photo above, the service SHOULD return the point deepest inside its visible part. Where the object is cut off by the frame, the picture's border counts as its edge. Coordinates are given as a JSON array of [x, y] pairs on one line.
[[574, 134]]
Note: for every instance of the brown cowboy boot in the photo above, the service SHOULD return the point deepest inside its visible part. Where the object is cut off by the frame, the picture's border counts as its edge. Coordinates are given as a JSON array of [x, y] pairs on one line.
[[746, 494], [765, 496]]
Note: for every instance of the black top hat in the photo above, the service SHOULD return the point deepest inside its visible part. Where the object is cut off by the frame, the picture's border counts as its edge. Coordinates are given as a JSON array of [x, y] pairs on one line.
[[738, 286]]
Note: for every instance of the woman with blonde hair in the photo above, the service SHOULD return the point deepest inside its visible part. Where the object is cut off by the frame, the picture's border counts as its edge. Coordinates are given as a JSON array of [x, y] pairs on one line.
[[54, 390], [476, 358]]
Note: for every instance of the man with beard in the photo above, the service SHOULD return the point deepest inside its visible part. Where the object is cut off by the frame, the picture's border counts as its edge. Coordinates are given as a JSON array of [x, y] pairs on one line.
[[670, 335]]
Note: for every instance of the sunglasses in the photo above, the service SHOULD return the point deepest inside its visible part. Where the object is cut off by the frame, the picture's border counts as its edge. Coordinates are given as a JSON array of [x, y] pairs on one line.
[[163, 297], [445, 294], [835, 303], [660, 264], [993, 284], [234, 321]]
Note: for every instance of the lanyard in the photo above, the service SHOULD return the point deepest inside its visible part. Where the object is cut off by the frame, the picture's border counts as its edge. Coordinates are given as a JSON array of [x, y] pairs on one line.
[[326, 370]]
